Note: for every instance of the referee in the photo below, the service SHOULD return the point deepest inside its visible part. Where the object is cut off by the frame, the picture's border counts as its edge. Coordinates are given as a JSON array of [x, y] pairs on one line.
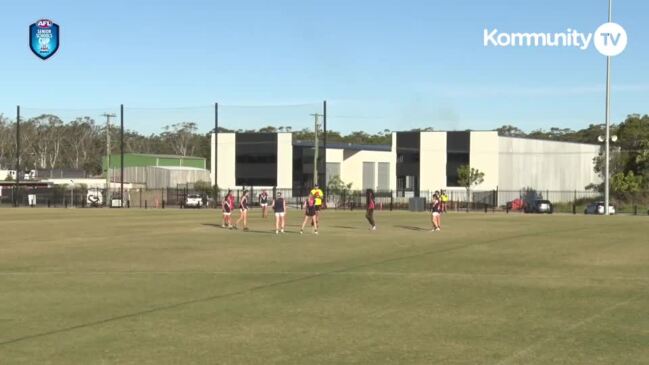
[[318, 195]]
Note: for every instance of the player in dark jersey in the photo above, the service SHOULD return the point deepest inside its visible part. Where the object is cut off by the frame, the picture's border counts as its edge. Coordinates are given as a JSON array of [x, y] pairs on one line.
[[243, 207], [231, 200], [279, 206], [310, 212], [263, 203], [227, 210], [436, 212], [369, 214]]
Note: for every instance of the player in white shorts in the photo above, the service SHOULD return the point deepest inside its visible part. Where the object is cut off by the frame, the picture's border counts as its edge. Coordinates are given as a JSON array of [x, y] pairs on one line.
[[436, 212], [227, 211], [263, 203], [279, 206]]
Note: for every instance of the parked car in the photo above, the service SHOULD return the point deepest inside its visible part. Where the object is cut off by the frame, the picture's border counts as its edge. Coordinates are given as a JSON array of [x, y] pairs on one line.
[[516, 204], [539, 206], [193, 201], [598, 208]]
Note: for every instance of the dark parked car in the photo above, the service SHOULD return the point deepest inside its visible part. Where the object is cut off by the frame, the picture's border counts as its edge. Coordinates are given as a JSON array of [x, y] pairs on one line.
[[539, 206], [598, 208]]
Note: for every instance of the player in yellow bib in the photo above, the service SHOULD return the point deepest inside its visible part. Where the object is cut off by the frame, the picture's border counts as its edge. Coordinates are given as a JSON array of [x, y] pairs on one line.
[[318, 195]]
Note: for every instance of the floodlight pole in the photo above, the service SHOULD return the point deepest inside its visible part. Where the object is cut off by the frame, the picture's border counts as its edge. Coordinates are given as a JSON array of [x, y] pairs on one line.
[[216, 143], [324, 139], [15, 194], [121, 164], [315, 154], [608, 125], [108, 116]]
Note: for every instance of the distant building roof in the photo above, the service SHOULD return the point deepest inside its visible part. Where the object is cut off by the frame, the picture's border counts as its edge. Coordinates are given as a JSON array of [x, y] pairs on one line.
[[549, 140], [160, 156], [62, 173], [179, 168], [347, 146]]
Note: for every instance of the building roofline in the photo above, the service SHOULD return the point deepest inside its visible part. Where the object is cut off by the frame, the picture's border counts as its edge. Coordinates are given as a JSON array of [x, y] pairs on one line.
[[163, 156], [348, 146], [550, 140]]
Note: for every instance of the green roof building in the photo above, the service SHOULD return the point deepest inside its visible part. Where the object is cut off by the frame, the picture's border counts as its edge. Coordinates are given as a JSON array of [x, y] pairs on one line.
[[149, 160]]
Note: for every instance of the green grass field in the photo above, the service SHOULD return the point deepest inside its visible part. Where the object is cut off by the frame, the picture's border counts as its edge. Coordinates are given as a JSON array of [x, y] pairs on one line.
[[84, 286]]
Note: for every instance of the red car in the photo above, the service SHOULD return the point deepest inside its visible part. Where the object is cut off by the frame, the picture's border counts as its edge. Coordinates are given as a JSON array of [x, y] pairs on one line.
[[516, 204]]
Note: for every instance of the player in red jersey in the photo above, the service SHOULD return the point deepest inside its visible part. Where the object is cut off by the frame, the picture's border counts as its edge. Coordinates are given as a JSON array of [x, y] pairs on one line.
[[310, 212], [371, 204], [226, 204], [436, 212]]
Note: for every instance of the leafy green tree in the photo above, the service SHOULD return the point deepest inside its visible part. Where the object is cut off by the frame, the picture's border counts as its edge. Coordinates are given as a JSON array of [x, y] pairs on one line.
[[510, 131], [341, 191], [630, 153], [626, 183], [469, 177]]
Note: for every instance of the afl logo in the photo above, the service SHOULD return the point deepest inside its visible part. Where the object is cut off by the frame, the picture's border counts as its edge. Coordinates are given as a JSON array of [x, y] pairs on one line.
[[44, 38], [44, 23]]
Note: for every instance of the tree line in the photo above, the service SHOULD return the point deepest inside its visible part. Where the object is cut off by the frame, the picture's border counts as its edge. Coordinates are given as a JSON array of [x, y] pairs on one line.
[[48, 142]]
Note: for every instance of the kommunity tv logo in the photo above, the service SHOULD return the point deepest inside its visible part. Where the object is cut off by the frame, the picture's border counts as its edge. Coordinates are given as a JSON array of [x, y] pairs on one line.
[[610, 39]]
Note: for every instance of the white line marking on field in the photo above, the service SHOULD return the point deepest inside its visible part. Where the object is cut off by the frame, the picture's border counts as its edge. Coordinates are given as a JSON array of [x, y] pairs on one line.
[[529, 349]]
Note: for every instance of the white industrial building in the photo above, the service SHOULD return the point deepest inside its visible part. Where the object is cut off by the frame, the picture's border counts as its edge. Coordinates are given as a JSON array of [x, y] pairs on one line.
[[414, 164]]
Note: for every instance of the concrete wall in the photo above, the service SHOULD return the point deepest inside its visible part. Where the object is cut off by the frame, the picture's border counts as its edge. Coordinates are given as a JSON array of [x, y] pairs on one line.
[[545, 165], [432, 161], [351, 165], [226, 159], [484, 156], [284, 160]]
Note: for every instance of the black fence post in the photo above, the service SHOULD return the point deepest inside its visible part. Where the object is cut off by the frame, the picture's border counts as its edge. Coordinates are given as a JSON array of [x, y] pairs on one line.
[[574, 207], [635, 209], [145, 204], [391, 199]]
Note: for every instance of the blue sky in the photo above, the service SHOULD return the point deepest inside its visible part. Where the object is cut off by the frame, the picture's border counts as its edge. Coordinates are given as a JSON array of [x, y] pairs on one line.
[[380, 64]]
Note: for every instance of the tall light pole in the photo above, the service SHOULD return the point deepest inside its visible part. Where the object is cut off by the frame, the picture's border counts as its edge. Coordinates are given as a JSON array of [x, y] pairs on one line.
[[608, 123], [72, 194], [108, 116], [315, 154]]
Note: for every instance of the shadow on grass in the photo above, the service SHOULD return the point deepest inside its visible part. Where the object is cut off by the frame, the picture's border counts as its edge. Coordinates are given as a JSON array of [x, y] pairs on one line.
[[344, 227], [213, 225], [412, 228]]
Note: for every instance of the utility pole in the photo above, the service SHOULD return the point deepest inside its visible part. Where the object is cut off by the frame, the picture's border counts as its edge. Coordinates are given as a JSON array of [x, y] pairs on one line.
[[315, 154], [16, 196], [608, 123], [108, 116]]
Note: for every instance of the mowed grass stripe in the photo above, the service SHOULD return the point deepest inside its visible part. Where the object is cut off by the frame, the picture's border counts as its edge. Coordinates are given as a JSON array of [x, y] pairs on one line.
[[252, 289], [484, 289]]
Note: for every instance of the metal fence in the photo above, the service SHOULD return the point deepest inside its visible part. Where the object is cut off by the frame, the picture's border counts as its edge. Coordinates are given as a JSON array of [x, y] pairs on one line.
[[458, 200]]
